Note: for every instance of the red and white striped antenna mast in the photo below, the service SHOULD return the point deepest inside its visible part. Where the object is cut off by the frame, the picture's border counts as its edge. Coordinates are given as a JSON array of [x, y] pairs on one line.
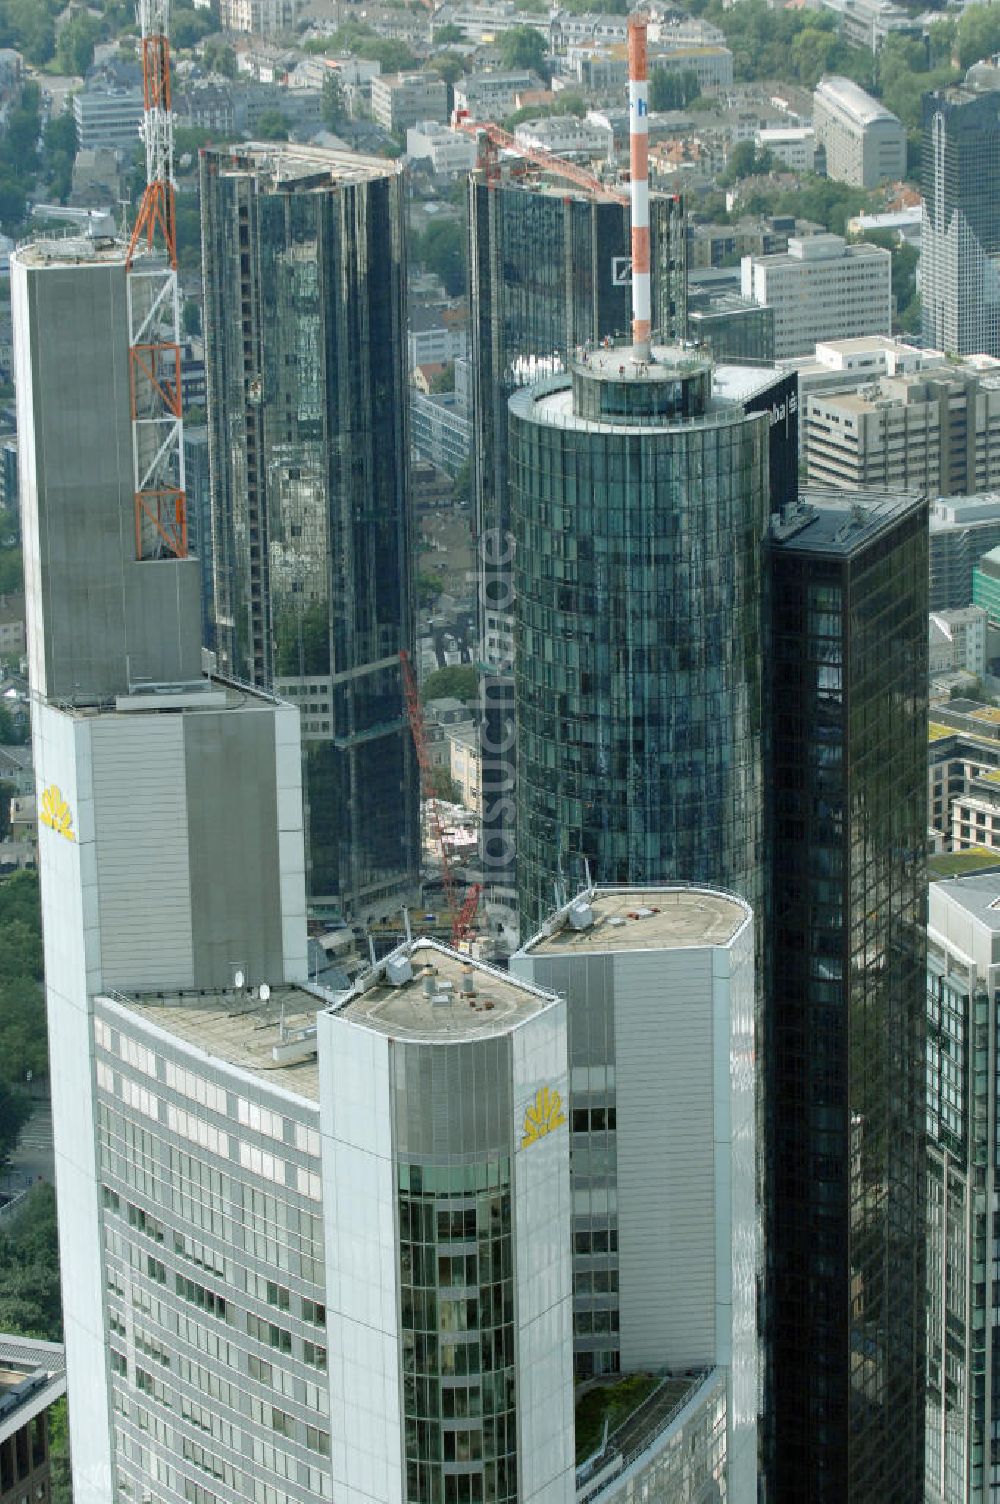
[[154, 313], [638, 109]]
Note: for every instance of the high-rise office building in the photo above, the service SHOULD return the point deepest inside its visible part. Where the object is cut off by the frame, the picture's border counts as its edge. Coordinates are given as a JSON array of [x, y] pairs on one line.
[[169, 807], [963, 974], [305, 332], [659, 989], [639, 501], [960, 233], [549, 271], [843, 1044]]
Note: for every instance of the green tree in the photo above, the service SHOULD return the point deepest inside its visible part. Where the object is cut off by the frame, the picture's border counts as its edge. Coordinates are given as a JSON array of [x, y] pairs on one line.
[[29, 1270], [60, 152], [191, 317], [524, 47], [460, 682], [188, 27], [334, 113], [442, 250], [444, 786], [447, 35], [29, 25], [15, 1110], [219, 57], [429, 586], [978, 34], [75, 44], [447, 65], [272, 126]]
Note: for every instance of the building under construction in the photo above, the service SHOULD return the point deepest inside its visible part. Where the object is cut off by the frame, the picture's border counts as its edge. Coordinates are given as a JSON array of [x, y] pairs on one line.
[[305, 327], [550, 271]]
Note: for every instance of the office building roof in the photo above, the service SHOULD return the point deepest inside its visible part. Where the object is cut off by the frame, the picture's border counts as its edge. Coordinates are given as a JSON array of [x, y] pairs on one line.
[[646, 918], [978, 894], [32, 1376], [853, 100], [302, 168], [834, 522]]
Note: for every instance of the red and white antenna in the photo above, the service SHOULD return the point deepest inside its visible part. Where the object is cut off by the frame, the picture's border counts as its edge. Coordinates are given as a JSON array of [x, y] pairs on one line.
[[638, 109], [154, 313]]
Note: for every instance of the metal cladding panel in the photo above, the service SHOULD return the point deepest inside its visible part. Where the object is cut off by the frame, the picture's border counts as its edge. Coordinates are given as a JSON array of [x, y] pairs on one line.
[[359, 1216], [543, 1261], [69, 924], [665, 1143], [232, 835], [452, 1098], [143, 864]]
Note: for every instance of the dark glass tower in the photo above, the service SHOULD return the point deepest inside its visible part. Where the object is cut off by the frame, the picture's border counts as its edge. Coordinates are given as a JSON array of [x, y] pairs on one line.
[[305, 325], [843, 1047], [639, 500], [549, 271], [960, 239]]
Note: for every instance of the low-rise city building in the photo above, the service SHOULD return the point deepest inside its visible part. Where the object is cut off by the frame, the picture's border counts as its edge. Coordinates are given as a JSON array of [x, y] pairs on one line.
[[793, 146], [32, 1378], [865, 143], [957, 641], [400, 100]]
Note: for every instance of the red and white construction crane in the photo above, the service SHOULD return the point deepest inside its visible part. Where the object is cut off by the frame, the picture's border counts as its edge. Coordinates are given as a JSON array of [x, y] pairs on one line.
[[462, 918], [495, 139], [154, 325]]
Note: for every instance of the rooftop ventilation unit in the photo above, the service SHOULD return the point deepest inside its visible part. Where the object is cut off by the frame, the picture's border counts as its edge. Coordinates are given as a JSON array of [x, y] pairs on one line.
[[581, 916], [398, 971]]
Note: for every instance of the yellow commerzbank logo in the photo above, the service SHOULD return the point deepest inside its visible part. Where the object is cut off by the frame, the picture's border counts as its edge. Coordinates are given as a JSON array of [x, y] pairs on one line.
[[55, 812], [543, 1115]]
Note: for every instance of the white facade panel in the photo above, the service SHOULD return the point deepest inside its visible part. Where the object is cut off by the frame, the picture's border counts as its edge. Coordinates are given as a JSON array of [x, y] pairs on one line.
[[69, 923], [666, 1171], [361, 1263], [291, 843], [143, 866], [543, 1268]]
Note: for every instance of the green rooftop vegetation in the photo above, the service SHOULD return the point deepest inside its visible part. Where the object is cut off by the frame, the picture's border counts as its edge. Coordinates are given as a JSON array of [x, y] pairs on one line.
[[615, 1401], [960, 863], [936, 732]]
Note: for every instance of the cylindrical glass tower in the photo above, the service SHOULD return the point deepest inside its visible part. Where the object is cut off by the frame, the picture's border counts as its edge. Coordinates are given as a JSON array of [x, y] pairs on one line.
[[639, 501]]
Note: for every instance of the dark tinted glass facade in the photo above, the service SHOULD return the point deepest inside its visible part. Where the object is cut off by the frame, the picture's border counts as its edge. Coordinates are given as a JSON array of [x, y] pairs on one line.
[[845, 1024], [304, 267], [637, 641], [548, 272], [960, 243]]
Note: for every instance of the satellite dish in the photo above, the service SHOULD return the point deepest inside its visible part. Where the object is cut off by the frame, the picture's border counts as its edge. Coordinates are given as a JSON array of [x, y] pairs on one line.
[[265, 992], [238, 979]]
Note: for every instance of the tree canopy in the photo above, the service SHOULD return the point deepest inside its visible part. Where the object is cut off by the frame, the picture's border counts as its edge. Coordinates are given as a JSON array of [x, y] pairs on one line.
[[524, 47], [460, 682]]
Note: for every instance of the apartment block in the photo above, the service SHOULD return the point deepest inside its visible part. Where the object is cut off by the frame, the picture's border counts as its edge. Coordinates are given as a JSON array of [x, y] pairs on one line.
[[108, 118], [262, 18], [865, 143], [821, 289]]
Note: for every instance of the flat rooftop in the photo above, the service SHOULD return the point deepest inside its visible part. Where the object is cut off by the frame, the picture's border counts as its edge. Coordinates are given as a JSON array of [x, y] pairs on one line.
[[285, 165], [833, 522], [72, 250], [240, 1029], [432, 1003], [978, 895], [204, 694], [651, 918], [32, 1376]]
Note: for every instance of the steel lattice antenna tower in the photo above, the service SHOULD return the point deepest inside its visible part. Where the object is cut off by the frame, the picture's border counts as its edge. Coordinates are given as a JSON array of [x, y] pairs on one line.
[[154, 313]]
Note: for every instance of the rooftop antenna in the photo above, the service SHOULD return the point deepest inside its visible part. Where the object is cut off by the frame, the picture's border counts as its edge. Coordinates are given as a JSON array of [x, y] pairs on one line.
[[638, 110], [154, 323]]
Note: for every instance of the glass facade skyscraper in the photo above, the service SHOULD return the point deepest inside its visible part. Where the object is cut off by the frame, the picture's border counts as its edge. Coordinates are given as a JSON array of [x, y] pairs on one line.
[[549, 271], [960, 236], [843, 1046], [639, 499], [304, 267]]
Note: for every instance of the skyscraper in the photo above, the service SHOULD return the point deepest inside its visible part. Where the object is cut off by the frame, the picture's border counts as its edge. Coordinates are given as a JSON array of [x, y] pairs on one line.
[[169, 804], [963, 1387], [549, 271], [843, 1045], [659, 989], [960, 237], [639, 500], [305, 331]]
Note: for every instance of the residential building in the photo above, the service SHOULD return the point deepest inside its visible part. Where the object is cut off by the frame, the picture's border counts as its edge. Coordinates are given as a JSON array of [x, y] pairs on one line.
[[963, 957], [465, 767], [962, 530], [564, 136], [305, 335], [957, 641], [865, 143], [602, 67], [490, 96], [638, 747], [659, 989], [108, 118], [936, 431], [400, 100], [843, 1047], [262, 18], [820, 289], [867, 23], [791, 146], [531, 239], [32, 1378], [449, 153], [483, 24], [960, 246]]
